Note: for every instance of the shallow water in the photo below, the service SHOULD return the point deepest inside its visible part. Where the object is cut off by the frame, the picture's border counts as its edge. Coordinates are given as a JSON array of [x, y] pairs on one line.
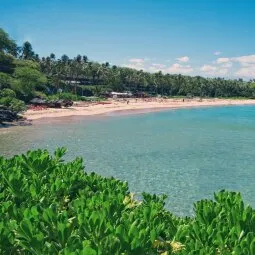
[[187, 154]]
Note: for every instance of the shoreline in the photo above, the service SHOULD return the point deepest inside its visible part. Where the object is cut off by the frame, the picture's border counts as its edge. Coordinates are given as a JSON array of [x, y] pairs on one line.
[[134, 106]]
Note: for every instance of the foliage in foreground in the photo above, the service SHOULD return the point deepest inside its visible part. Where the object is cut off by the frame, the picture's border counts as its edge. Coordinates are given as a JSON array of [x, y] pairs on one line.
[[48, 206]]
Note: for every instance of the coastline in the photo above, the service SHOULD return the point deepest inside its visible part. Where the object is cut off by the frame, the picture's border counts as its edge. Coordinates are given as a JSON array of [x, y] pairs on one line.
[[140, 105]]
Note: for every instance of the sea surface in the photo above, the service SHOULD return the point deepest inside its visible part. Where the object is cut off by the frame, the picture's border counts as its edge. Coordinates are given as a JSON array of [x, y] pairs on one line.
[[187, 154]]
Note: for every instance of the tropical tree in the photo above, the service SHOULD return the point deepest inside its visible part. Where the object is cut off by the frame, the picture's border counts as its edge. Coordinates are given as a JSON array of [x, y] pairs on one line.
[[8, 50], [27, 80], [5, 81], [27, 51], [79, 73], [7, 45]]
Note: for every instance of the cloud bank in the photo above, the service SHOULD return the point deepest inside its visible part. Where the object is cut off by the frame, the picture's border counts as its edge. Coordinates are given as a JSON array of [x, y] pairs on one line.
[[230, 67]]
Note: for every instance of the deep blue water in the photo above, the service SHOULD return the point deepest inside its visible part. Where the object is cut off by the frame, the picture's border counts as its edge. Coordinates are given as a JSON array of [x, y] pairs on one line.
[[187, 154]]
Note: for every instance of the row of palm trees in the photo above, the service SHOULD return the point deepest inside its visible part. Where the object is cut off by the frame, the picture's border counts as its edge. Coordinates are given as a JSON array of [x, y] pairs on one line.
[[80, 72]]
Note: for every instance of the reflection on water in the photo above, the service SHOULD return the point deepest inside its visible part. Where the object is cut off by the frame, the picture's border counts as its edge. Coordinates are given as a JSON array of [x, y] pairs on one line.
[[187, 154]]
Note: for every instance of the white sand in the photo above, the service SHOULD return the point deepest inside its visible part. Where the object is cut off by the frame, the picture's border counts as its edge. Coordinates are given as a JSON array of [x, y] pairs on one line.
[[88, 109]]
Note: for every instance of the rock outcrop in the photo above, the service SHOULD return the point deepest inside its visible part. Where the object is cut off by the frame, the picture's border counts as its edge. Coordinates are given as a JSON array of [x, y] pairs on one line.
[[7, 116], [52, 103]]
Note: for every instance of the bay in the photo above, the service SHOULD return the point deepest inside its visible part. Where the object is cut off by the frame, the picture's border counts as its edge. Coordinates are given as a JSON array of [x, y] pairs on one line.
[[187, 153]]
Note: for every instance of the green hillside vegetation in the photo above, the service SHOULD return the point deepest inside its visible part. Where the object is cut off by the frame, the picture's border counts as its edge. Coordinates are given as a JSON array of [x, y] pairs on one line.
[[52, 207], [29, 75]]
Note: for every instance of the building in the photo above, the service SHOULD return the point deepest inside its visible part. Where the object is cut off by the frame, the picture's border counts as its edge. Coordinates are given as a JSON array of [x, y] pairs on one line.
[[121, 95]]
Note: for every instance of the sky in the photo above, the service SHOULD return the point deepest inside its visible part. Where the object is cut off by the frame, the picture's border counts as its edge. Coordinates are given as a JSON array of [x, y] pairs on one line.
[[193, 37]]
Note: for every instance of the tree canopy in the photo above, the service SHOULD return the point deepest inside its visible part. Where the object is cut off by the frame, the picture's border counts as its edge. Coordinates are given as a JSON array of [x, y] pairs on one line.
[[7, 45]]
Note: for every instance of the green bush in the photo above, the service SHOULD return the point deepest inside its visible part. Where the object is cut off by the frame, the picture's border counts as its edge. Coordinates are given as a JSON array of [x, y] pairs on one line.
[[5, 80], [68, 96], [53, 97], [13, 104], [7, 93], [40, 94], [64, 96], [52, 207]]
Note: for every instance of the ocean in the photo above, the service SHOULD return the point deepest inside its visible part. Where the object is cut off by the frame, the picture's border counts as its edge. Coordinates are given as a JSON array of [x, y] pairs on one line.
[[187, 154]]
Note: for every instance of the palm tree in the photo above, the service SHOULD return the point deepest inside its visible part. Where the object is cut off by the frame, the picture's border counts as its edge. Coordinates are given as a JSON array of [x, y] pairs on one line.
[[52, 56], [79, 58], [64, 58], [27, 51], [85, 58]]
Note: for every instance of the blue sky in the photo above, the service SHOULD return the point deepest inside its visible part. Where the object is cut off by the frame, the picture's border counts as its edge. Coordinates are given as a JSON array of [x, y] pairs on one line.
[[205, 37]]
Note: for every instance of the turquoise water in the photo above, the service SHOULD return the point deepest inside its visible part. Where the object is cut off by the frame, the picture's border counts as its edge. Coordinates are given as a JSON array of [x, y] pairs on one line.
[[187, 154]]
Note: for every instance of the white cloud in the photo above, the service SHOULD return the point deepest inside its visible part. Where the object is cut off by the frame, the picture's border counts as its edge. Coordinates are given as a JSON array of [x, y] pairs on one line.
[[136, 60], [245, 59], [247, 63], [135, 63], [246, 71], [208, 68], [137, 66], [179, 69], [242, 66], [223, 60], [217, 53], [222, 71], [156, 68], [161, 66], [183, 59], [214, 70], [153, 69], [242, 60], [227, 65]]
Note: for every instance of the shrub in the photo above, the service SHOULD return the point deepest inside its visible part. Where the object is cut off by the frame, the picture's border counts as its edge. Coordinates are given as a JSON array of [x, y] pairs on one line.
[[5, 80], [68, 96], [64, 96], [27, 79], [13, 104], [53, 97], [51, 207], [40, 94], [7, 93]]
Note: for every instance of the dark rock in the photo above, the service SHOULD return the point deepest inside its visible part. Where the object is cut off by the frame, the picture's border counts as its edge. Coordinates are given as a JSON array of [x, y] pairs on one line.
[[52, 103], [8, 116], [38, 101], [67, 103]]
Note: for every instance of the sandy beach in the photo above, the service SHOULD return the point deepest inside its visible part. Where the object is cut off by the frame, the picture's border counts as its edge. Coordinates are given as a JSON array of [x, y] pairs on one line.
[[90, 109]]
